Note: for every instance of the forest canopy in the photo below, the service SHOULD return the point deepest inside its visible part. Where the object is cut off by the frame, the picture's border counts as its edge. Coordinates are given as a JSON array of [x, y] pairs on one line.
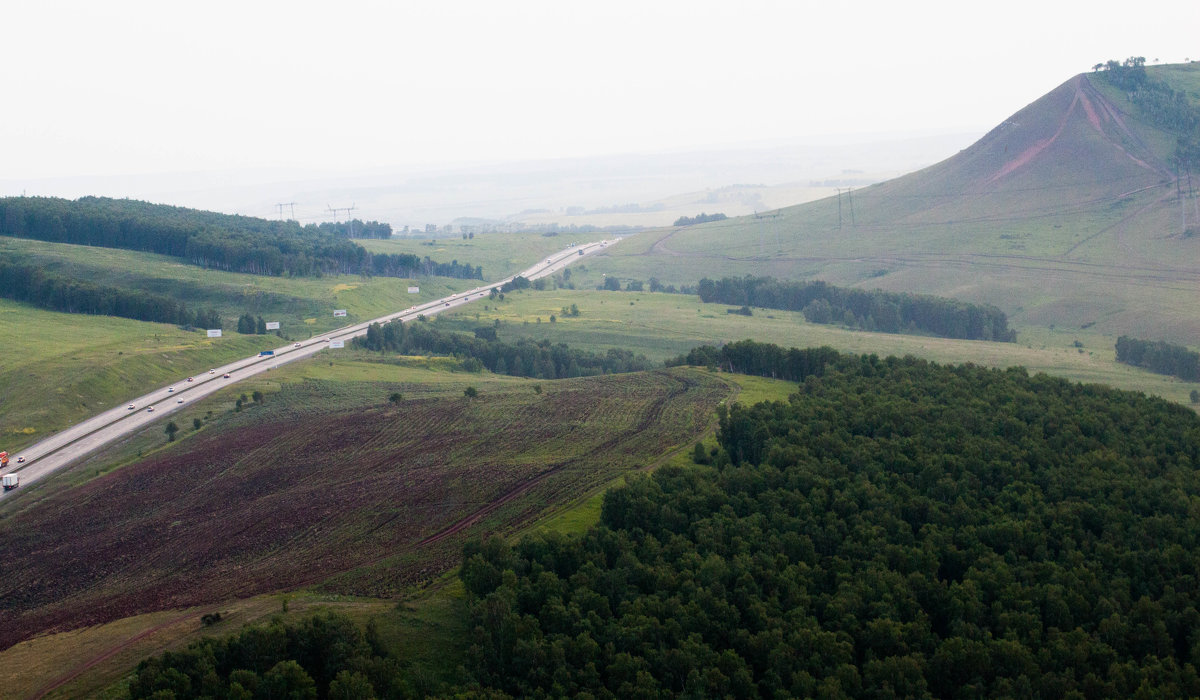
[[212, 240]]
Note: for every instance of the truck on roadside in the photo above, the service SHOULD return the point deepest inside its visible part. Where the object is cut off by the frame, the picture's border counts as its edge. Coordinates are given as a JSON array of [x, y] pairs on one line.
[[3, 460], [10, 481]]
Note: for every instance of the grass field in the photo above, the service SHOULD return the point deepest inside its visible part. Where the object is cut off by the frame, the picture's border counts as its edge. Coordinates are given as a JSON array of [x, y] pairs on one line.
[[61, 368], [500, 254], [665, 325]]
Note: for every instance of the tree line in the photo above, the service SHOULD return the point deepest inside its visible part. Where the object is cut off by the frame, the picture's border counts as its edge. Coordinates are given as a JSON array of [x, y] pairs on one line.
[[700, 218], [322, 656], [208, 239], [525, 358], [894, 529], [874, 310], [1159, 356], [32, 285]]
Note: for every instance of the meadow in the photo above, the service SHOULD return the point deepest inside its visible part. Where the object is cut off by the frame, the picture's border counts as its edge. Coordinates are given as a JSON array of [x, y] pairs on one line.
[[661, 326]]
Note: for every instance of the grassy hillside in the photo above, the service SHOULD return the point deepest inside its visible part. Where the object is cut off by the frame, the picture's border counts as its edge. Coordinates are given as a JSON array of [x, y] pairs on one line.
[[328, 484], [1065, 214]]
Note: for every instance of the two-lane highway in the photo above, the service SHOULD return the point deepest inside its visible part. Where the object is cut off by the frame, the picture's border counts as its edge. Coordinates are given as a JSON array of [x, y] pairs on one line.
[[67, 446]]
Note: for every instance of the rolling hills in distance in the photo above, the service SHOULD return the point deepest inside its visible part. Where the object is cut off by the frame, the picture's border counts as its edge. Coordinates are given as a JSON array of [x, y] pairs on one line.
[[1065, 216]]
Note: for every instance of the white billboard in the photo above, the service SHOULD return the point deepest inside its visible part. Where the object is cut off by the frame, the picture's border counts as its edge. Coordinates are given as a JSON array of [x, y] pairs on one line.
[[339, 312], [414, 290], [337, 343], [214, 333], [272, 325]]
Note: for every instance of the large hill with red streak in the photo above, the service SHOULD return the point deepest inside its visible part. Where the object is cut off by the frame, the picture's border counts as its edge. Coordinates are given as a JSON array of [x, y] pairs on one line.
[[1069, 213]]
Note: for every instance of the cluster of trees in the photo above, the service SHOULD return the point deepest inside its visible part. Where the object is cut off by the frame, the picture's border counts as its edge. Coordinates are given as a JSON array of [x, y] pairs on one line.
[[1159, 356], [896, 528], [761, 359], [221, 241], [525, 358], [249, 325], [875, 310], [700, 218], [356, 228], [323, 656], [32, 285], [1166, 108]]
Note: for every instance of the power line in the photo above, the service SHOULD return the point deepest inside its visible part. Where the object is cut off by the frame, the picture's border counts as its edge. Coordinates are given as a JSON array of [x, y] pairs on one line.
[[281, 205]]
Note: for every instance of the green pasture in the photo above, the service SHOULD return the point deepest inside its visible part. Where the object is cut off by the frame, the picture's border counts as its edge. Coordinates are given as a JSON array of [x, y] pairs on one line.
[[661, 326]]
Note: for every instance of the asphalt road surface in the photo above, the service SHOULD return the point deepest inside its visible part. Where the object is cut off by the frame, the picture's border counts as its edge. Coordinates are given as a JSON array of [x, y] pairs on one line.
[[67, 446]]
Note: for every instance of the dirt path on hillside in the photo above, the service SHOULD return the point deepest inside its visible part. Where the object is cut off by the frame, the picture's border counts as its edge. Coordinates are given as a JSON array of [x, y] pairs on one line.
[[78, 670]]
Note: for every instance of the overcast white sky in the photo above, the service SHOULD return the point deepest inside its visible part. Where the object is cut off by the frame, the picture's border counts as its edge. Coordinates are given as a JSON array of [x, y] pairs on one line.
[[102, 88]]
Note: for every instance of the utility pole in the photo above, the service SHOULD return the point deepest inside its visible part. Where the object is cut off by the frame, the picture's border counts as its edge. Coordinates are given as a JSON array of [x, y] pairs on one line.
[[347, 210], [839, 189], [850, 199]]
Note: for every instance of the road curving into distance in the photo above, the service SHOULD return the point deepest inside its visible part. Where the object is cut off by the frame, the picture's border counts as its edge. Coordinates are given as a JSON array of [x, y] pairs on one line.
[[69, 445]]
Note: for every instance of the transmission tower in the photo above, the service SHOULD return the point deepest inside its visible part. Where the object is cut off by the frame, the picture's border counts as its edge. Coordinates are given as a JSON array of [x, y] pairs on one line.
[[281, 205]]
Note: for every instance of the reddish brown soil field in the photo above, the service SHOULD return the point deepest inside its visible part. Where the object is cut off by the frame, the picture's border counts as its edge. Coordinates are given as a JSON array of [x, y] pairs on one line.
[[364, 500]]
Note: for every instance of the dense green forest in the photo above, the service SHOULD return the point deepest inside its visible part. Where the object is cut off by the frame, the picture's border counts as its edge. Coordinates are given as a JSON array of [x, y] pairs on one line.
[[896, 529], [31, 284], [525, 358], [212, 240], [324, 656], [1159, 356], [857, 308]]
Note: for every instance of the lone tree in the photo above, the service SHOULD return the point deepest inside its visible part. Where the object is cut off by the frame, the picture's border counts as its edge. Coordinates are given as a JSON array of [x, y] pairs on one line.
[[257, 396], [396, 398], [470, 392], [171, 430]]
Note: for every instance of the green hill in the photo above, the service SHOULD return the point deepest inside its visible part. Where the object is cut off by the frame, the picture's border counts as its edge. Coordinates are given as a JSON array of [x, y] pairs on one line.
[[1068, 213]]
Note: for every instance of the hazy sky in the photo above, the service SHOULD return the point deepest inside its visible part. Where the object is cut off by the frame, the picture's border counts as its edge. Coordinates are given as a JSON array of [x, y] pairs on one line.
[[99, 88]]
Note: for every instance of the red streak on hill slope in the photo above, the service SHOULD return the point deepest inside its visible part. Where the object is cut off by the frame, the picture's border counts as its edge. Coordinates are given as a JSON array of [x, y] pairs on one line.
[[1084, 94]]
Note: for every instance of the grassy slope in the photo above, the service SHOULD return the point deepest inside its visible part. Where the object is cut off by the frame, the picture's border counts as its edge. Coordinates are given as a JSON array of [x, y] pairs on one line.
[[62, 368], [327, 482], [1079, 234], [666, 325]]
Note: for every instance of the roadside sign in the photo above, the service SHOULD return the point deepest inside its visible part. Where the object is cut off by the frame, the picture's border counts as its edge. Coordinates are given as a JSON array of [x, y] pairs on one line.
[[337, 343], [414, 290], [272, 325], [339, 312], [214, 333]]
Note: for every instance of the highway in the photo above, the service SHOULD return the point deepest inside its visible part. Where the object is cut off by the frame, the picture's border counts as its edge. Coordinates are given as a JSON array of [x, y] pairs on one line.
[[69, 445]]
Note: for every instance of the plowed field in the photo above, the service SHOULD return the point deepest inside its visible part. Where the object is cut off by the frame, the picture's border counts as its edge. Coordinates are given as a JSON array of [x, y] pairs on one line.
[[360, 499]]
